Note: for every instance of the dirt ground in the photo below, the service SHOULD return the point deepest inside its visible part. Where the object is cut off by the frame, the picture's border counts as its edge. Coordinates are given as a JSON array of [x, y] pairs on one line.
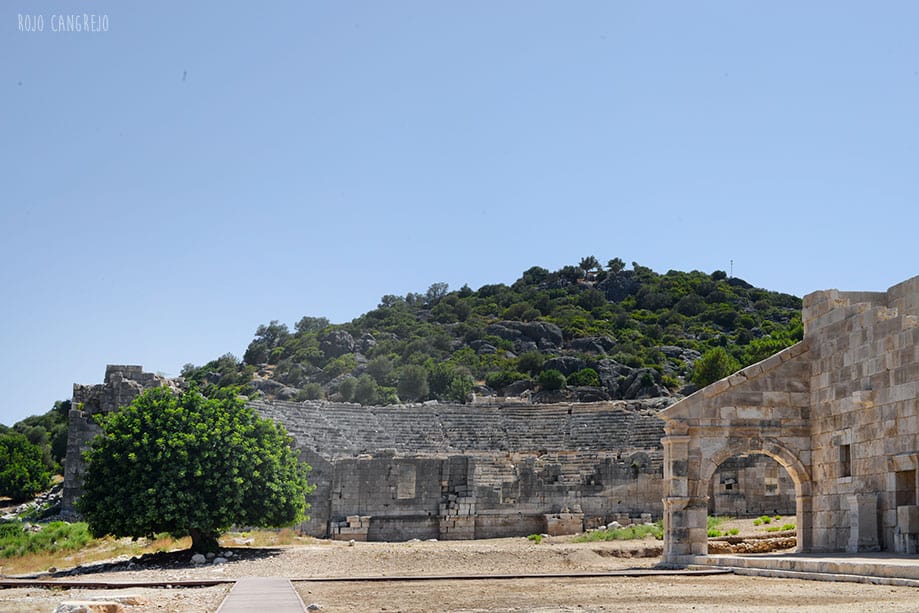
[[497, 556]]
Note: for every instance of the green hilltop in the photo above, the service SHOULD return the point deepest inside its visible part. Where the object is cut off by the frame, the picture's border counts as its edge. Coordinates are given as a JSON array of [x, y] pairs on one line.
[[582, 333]]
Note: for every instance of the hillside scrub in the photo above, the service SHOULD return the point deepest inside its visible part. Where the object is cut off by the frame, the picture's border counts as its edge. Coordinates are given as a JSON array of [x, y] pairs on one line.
[[627, 333]]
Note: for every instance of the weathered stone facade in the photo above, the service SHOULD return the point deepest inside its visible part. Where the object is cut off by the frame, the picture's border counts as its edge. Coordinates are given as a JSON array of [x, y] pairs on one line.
[[122, 385], [474, 471], [839, 411]]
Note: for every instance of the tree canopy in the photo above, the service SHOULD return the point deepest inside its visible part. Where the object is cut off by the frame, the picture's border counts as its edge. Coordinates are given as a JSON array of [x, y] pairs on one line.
[[190, 465], [23, 469]]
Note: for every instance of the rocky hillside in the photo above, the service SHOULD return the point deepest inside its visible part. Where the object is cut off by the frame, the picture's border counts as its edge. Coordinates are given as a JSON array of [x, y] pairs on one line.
[[587, 332]]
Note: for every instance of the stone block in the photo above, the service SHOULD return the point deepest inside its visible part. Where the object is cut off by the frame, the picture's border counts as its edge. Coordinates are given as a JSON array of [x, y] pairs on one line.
[[908, 519], [89, 606]]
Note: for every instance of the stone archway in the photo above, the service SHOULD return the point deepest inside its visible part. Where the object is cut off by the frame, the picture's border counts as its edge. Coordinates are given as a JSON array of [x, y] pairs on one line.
[[761, 409]]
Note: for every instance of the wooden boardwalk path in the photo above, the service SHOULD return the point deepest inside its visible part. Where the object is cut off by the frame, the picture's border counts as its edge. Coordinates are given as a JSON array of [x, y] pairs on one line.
[[274, 594]]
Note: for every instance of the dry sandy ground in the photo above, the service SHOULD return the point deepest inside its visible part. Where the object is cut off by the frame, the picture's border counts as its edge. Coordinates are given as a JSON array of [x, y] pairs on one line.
[[499, 556]]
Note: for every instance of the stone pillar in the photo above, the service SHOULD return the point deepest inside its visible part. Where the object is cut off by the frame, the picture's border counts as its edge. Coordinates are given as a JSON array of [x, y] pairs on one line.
[[684, 516], [81, 429], [863, 523], [804, 518]]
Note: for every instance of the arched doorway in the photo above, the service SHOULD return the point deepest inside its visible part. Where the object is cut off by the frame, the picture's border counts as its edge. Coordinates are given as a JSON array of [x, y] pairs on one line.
[[751, 485], [753, 411]]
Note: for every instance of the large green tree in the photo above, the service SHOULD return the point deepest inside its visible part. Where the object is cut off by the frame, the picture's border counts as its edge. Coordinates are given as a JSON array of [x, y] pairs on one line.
[[190, 465], [23, 470]]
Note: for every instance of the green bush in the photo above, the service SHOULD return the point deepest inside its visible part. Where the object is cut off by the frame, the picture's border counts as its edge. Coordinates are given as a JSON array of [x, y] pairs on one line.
[[536, 538], [551, 380], [366, 390], [346, 388], [413, 383], [714, 364], [584, 377], [530, 362], [734, 531], [23, 470], [501, 379]]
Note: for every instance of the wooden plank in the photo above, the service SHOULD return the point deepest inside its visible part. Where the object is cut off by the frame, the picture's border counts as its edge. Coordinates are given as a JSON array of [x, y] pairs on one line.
[[275, 594]]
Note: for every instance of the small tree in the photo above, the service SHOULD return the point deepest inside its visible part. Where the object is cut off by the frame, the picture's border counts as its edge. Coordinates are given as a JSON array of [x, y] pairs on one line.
[[714, 364], [189, 465], [366, 390], [551, 380], [586, 377], [413, 383], [23, 470]]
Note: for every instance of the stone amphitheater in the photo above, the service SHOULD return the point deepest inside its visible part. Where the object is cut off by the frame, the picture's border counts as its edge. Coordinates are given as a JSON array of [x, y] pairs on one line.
[[467, 471]]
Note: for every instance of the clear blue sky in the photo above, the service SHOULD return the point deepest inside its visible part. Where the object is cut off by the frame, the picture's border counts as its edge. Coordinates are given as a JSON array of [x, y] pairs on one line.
[[201, 168]]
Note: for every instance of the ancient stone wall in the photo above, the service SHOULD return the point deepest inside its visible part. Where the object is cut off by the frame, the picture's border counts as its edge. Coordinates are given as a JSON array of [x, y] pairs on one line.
[[839, 411], [865, 415], [750, 485], [122, 384]]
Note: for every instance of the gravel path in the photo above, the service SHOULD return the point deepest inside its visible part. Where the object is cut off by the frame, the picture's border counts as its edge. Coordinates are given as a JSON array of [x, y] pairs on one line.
[[498, 556]]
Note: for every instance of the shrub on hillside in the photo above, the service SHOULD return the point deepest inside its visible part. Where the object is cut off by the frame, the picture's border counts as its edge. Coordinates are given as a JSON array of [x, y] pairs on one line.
[[551, 380]]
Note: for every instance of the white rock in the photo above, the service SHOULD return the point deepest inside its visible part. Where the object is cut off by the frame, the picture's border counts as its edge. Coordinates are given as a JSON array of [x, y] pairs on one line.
[[219, 560]]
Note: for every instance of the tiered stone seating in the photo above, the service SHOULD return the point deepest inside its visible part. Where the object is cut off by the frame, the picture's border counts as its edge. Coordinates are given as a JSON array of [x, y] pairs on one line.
[[645, 431], [336, 430], [413, 429], [536, 428], [592, 429], [470, 427]]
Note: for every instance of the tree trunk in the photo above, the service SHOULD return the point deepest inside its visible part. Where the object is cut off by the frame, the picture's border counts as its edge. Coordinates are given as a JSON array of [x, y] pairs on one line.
[[203, 541]]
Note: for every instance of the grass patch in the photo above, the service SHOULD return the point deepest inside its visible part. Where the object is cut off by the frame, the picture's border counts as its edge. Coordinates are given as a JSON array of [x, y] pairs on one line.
[[713, 521], [782, 528], [536, 538], [16, 541], [623, 534], [733, 531]]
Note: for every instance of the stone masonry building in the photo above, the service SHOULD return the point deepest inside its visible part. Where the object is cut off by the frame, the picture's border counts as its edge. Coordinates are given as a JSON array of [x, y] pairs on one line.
[[839, 411]]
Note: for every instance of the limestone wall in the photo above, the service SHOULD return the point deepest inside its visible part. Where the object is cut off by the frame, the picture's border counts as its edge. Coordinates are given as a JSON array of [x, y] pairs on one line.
[[865, 416], [122, 384], [459, 471]]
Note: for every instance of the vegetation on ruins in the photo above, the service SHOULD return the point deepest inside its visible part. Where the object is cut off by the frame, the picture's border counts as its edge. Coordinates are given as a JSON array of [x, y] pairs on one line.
[[626, 333], [23, 469], [635, 531], [190, 465]]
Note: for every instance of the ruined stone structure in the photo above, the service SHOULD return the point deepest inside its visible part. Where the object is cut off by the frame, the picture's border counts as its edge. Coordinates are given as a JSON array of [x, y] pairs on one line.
[[839, 411], [122, 385], [458, 471], [475, 471]]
